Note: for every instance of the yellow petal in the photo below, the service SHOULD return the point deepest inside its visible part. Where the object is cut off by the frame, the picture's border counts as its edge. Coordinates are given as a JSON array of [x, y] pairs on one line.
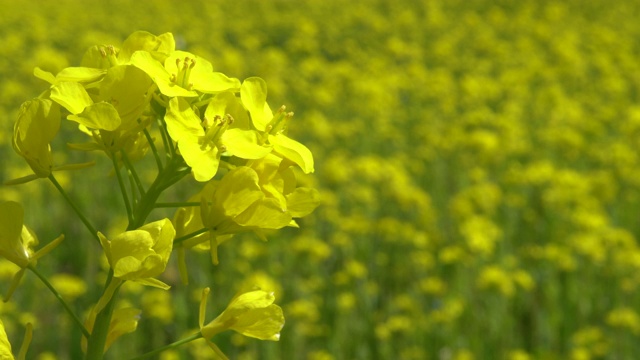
[[293, 151], [71, 95], [254, 97], [5, 346]]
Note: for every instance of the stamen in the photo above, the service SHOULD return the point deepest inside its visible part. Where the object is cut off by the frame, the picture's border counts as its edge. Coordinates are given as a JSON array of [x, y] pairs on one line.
[[279, 121], [111, 55], [187, 66]]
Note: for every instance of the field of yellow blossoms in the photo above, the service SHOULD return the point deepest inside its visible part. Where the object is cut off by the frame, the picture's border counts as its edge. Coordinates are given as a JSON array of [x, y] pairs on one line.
[[478, 164]]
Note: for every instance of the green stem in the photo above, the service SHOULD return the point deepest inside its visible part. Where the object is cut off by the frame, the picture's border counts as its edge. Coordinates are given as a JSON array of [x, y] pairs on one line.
[[59, 297], [96, 342], [172, 173], [166, 139], [135, 193], [153, 149], [123, 189], [177, 204], [75, 208], [189, 236], [180, 342], [133, 172]]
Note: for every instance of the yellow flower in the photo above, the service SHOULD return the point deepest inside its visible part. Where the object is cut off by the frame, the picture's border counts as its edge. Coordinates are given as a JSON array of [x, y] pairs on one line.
[[17, 241], [140, 255], [124, 321], [38, 123], [251, 314], [203, 142], [183, 74], [253, 94], [239, 205], [5, 345]]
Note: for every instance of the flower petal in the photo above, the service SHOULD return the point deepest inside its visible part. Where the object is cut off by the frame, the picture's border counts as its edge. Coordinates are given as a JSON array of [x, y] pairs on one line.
[[71, 95], [100, 115], [244, 144], [293, 151], [254, 97]]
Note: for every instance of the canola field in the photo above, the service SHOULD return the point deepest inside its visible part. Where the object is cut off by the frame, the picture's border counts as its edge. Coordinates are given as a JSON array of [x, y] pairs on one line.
[[478, 164]]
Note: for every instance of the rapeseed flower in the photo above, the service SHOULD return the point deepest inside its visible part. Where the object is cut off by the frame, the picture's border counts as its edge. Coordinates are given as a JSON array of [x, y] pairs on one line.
[[251, 314], [239, 205], [203, 142], [254, 97], [38, 123], [17, 241], [5, 345], [183, 74], [123, 321], [141, 255]]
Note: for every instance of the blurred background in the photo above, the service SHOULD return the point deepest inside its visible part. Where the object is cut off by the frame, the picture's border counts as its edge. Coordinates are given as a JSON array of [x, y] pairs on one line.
[[478, 163]]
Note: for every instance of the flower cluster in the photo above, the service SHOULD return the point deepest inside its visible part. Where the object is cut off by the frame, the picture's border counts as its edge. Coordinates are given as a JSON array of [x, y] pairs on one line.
[[213, 127]]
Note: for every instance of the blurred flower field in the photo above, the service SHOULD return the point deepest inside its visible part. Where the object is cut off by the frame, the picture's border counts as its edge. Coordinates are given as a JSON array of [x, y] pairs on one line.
[[478, 161]]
